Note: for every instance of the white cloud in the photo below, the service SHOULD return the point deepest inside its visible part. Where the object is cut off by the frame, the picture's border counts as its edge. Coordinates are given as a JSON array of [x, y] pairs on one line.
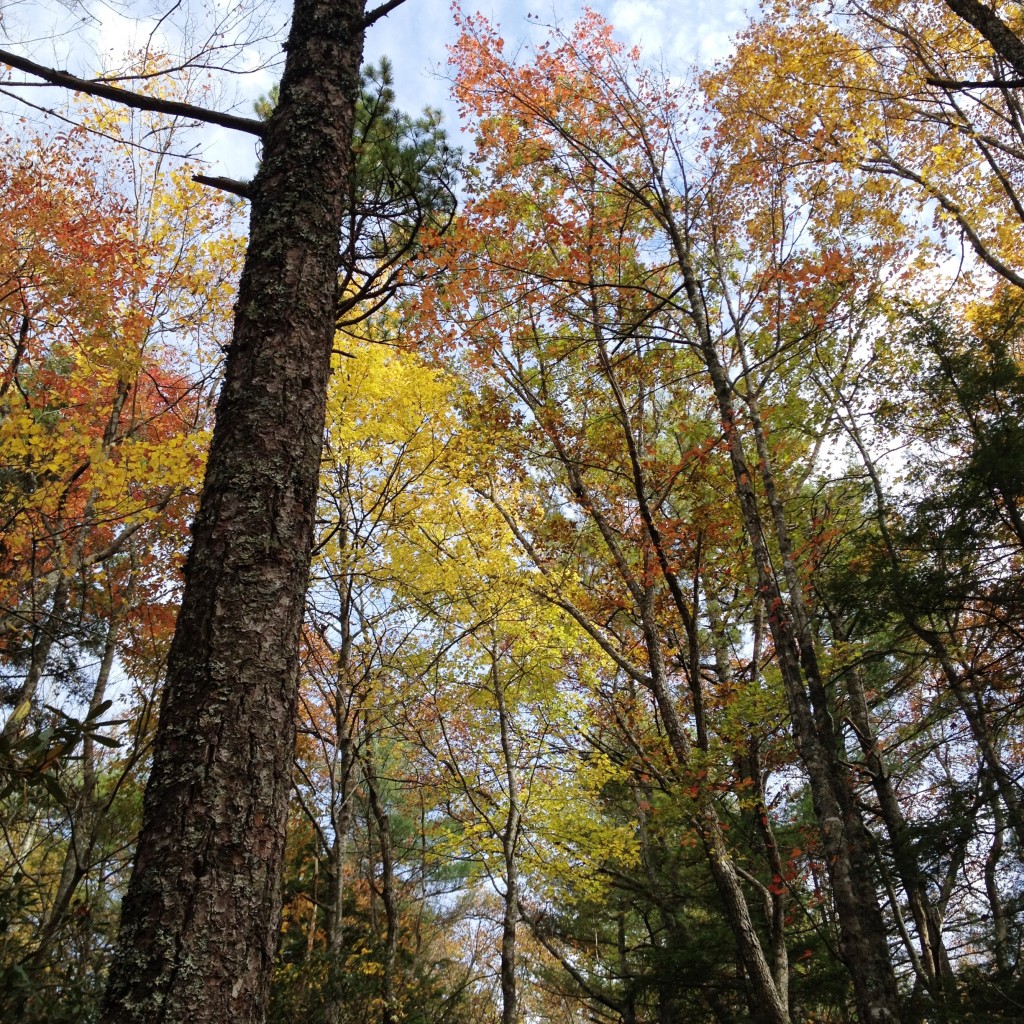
[[116, 38], [680, 34], [673, 33]]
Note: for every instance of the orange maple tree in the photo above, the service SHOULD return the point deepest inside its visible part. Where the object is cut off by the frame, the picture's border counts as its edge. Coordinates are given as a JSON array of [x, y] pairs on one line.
[[103, 401]]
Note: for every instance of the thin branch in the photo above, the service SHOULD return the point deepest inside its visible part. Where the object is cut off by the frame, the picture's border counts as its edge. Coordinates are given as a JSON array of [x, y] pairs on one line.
[[886, 163], [139, 101], [50, 112]]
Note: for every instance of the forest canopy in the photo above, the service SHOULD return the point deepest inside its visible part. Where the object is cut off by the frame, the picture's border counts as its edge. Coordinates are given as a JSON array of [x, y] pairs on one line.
[[662, 652]]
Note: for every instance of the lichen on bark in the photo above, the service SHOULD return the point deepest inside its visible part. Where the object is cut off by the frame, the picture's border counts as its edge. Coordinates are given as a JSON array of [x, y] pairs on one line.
[[199, 922]]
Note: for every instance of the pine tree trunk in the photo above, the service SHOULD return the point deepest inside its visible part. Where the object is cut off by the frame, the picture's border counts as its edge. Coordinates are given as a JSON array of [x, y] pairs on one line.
[[199, 922]]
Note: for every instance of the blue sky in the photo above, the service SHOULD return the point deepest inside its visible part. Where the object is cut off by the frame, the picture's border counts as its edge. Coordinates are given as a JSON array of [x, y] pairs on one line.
[[83, 35], [677, 31]]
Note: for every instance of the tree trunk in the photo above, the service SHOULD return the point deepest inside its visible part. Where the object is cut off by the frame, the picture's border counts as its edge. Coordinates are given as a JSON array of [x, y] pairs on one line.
[[84, 816], [332, 1008], [845, 838], [1003, 40], [44, 637], [199, 922], [934, 960], [343, 784], [510, 853], [772, 1009], [389, 995]]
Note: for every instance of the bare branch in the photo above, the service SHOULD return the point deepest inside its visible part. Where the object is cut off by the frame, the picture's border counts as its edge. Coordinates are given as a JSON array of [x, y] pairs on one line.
[[381, 12], [232, 185], [139, 101], [986, 83]]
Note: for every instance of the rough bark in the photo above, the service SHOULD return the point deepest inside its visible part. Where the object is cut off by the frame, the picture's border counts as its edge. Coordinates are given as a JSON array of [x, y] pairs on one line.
[[199, 922]]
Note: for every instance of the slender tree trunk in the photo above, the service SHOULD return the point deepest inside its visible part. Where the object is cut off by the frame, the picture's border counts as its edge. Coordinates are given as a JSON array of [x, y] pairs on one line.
[[727, 880], [53, 622], [341, 820], [749, 765], [199, 922], [510, 851], [845, 839], [773, 1008], [42, 643], [343, 781], [981, 727], [346, 724], [981, 732], [938, 972], [82, 840], [628, 1012], [388, 896], [1002, 949]]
